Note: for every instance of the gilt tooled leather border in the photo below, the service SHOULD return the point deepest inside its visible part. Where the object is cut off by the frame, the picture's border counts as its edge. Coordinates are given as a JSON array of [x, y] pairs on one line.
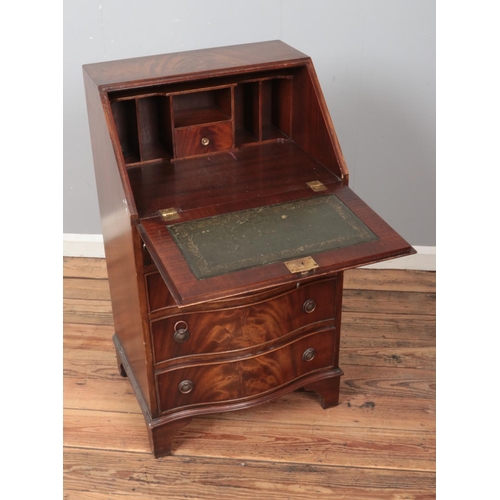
[[244, 239]]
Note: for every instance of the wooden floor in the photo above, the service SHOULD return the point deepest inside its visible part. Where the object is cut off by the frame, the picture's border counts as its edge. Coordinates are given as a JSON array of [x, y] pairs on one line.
[[378, 443]]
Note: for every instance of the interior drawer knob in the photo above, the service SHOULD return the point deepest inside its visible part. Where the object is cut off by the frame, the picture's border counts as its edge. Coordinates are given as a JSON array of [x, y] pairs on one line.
[[309, 306], [205, 141], [181, 332], [186, 386], [309, 354]]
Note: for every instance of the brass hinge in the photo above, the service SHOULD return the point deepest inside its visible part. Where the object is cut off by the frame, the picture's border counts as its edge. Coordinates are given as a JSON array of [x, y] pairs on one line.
[[301, 265], [169, 214], [316, 186]]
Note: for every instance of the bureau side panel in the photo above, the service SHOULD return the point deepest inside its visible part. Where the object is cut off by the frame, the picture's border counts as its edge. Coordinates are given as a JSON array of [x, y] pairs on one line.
[[313, 128], [120, 239], [339, 295]]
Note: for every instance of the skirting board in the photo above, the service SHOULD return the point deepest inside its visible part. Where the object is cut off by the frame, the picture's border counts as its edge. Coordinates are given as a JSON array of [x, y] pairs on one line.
[[92, 246]]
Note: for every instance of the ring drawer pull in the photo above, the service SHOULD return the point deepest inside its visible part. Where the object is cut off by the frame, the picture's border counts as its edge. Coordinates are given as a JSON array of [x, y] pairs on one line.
[[309, 306], [205, 141], [186, 386], [181, 332], [309, 354]]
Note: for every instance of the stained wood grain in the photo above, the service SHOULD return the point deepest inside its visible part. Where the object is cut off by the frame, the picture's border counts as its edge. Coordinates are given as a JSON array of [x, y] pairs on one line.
[[382, 301], [87, 337], [82, 267], [390, 325], [358, 410], [378, 448], [408, 357], [396, 382], [81, 288], [98, 475], [87, 311], [390, 280]]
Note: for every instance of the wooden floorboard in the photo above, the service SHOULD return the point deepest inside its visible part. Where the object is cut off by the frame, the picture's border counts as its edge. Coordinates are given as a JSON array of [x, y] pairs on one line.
[[99, 475], [378, 443]]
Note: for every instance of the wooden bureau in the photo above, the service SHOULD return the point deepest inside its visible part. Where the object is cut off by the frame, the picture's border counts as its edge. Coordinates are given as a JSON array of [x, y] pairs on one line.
[[227, 223]]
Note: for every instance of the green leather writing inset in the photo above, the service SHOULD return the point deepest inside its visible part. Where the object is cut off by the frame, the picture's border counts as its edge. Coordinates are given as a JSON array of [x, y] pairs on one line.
[[258, 236]]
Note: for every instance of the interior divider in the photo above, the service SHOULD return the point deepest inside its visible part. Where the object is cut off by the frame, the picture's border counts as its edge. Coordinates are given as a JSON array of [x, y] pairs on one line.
[[259, 110]]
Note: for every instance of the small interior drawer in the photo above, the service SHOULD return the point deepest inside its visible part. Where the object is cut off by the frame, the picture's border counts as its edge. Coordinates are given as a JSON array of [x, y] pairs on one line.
[[245, 378], [201, 139]]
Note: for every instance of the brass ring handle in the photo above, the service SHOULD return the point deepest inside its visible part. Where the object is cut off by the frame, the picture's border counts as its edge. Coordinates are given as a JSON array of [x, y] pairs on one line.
[[181, 332], [309, 306], [205, 141], [309, 354], [186, 386]]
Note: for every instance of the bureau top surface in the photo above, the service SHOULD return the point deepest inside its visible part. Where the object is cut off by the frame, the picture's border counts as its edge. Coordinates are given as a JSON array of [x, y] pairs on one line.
[[139, 70]]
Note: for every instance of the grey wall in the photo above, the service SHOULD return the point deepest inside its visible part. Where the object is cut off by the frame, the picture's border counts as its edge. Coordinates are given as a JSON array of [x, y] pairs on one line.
[[375, 60]]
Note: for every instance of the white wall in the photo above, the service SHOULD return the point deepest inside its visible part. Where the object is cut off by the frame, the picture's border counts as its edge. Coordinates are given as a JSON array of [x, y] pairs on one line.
[[375, 60]]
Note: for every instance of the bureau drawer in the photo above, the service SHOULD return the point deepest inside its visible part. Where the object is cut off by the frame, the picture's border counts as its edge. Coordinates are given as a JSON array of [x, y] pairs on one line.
[[201, 139], [243, 327], [245, 378]]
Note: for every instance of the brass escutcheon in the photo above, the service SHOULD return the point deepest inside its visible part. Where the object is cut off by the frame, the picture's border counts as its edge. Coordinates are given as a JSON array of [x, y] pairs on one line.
[[205, 141]]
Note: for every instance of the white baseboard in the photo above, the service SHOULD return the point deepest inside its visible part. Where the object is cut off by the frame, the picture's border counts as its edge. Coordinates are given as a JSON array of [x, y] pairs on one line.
[[83, 245], [423, 260], [92, 246]]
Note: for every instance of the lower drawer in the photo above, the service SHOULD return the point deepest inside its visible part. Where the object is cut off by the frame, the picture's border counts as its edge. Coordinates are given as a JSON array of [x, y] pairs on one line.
[[245, 378]]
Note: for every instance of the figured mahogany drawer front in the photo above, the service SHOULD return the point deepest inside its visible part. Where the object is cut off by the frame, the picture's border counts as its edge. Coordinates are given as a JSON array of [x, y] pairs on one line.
[[245, 378], [200, 139], [235, 328]]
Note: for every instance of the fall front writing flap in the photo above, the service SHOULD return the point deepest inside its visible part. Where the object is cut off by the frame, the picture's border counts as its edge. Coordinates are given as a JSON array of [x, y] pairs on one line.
[[222, 254]]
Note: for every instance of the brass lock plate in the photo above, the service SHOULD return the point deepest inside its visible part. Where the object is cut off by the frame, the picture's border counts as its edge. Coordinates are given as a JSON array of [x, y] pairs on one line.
[[301, 265]]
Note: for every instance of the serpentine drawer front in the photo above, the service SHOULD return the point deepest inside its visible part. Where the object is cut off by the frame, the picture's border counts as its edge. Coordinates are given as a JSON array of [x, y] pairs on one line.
[[243, 378], [243, 327], [228, 222]]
